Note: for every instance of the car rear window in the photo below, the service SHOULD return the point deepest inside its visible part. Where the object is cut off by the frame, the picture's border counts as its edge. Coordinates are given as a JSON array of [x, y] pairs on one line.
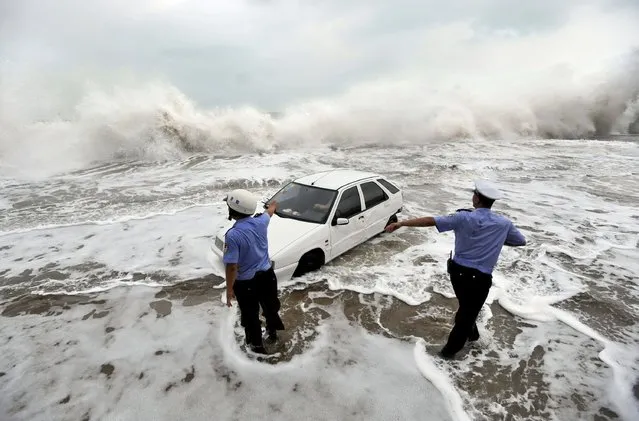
[[373, 194], [388, 185]]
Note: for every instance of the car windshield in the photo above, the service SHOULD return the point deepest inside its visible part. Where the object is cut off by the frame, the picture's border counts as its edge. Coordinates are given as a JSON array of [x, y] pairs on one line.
[[306, 203]]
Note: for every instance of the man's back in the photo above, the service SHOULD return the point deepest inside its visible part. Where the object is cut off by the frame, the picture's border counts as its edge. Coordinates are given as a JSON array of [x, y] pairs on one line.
[[247, 244], [479, 237]]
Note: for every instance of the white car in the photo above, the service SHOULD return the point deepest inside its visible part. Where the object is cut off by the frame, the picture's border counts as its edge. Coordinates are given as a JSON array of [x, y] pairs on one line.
[[321, 216]]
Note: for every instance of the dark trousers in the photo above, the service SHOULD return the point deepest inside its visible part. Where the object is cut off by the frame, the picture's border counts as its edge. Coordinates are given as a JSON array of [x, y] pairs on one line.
[[250, 295], [471, 288]]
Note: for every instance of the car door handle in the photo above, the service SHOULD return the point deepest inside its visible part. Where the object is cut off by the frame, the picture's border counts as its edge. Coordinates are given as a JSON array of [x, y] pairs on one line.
[[361, 217]]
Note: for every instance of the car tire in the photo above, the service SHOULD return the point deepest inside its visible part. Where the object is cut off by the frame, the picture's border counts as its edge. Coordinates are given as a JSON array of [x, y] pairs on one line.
[[309, 262], [391, 220]]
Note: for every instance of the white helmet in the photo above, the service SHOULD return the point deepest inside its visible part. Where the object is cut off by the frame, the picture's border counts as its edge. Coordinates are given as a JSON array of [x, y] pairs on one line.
[[487, 189], [242, 201]]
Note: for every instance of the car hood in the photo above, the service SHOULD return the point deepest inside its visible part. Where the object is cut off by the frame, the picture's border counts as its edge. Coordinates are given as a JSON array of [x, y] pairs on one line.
[[281, 232], [284, 231]]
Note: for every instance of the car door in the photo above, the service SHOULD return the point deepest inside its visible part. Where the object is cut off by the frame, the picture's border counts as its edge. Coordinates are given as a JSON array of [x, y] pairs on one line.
[[345, 237], [377, 209]]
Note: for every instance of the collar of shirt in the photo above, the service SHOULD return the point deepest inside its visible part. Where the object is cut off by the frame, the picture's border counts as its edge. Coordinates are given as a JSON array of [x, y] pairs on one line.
[[241, 221]]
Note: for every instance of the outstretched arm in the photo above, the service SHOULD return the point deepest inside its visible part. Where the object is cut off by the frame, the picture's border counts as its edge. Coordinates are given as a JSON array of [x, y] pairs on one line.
[[442, 223], [514, 237], [426, 221]]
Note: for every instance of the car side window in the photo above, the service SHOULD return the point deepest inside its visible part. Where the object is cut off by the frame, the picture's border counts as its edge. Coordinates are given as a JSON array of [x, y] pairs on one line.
[[349, 203], [388, 185], [373, 194]]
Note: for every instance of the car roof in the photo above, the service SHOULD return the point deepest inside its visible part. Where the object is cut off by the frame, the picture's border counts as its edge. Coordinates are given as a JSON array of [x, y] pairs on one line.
[[335, 179]]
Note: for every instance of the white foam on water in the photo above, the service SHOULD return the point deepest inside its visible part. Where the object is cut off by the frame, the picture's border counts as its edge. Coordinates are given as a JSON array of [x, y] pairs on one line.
[[559, 218], [441, 382], [578, 360], [121, 220], [143, 191], [580, 222], [173, 246], [405, 285], [616, 356], [162, 371]]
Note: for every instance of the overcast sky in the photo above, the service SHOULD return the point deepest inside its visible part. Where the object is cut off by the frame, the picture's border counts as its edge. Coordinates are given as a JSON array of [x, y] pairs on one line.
[[272, 52]]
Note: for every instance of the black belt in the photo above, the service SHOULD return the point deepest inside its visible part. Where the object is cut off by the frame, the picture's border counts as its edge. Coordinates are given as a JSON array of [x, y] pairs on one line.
[[451, 264]]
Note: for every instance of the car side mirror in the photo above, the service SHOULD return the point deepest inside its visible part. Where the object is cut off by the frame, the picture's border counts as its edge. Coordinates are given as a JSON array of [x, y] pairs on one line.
[[341, 221]]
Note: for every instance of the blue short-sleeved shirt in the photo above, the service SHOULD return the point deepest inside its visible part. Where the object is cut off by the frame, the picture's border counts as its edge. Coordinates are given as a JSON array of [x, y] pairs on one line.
[[246, 244], [479, 237]]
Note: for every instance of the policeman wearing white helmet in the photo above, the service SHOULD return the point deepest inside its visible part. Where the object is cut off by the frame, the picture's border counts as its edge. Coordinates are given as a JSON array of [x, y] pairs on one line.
[[249, 274], [479, 237]]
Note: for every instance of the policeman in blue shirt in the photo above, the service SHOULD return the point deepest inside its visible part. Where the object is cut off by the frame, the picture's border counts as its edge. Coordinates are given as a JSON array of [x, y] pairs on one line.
[[479, 237], [249, 273]]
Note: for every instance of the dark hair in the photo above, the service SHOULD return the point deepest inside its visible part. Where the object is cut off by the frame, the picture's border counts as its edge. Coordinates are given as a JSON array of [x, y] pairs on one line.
[[237, 215], [484, 200]]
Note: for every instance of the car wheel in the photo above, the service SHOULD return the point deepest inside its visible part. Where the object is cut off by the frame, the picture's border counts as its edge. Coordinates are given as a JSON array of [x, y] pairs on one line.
[[309, 262], [391, 220]]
